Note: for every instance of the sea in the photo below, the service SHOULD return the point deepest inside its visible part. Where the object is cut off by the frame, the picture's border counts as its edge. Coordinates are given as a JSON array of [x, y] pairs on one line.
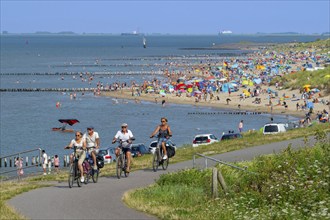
[[55, 61]]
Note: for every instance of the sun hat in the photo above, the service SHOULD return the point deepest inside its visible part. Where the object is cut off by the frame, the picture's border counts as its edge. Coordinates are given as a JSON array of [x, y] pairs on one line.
[[124, 125], [90, 127]]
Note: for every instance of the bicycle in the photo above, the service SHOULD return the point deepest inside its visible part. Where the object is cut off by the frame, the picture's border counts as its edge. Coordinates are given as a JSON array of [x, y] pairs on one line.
[[121, 162], [74, 172], [158, 158], [89, 172]]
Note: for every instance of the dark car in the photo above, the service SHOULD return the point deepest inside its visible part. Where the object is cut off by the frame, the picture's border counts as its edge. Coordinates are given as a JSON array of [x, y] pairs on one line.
[[231, 136], [139, 150]]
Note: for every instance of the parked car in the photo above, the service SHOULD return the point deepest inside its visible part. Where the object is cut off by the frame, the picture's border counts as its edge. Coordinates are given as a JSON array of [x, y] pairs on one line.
[[274, 128], [231, 136], [153, 145], [139, 150], [204, 139], [108, 154]]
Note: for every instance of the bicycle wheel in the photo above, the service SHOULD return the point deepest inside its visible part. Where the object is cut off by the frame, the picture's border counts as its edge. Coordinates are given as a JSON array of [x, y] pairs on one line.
[[155, 161], [86, 177], [119, 165], [79, 183], [95, 175], [165, 163], [71, 175]]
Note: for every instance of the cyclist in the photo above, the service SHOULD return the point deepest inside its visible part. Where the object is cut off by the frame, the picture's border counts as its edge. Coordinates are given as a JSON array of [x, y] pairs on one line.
[[92, 143], [164, 133], [125, 136], [80, 152]]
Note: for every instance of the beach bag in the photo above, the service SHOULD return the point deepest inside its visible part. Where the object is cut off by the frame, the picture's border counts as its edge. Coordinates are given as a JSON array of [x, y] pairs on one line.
[[100, 161], [170, 151]]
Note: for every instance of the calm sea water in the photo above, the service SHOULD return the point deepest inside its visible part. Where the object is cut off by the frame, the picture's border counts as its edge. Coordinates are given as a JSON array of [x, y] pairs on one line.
[[27, 118]]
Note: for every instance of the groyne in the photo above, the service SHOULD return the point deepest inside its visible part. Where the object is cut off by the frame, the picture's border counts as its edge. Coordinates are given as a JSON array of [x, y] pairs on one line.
[[54, 90]]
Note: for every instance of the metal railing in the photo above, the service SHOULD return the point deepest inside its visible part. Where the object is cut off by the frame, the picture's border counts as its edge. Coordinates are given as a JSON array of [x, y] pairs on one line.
[[34, 163], [219, 161]]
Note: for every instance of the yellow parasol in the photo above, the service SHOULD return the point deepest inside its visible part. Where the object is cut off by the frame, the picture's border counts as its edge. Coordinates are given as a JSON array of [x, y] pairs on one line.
[[306, 86]]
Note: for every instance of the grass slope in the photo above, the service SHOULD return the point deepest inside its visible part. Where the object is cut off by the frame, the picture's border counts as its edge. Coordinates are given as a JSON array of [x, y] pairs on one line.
[[288, 185]]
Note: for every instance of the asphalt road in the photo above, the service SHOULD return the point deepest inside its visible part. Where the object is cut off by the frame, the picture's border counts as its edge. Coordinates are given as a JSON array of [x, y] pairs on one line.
[[104, 199]]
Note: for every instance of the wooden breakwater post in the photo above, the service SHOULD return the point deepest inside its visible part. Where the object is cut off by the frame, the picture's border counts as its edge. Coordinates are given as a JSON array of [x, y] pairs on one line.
[[214, 183]]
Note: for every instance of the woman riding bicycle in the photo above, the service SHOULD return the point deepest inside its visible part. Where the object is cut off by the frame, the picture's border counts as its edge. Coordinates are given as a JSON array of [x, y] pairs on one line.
[[125, 136], [80, 152], [164, 134]]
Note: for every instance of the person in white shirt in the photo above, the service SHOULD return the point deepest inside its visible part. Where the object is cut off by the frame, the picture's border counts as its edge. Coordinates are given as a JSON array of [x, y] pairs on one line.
[[80, 152], [92, 143], [44, 161], [126, 137]]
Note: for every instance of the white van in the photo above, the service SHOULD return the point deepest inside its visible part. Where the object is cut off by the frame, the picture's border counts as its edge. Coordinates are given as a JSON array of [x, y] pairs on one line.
[[274, 128]]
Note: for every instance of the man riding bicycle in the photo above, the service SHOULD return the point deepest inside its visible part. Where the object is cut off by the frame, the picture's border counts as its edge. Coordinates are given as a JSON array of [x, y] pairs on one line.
[[92, 143], [125, 136], [164, 134]]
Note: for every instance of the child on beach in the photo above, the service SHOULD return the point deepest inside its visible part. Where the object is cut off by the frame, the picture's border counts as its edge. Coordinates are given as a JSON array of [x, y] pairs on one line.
[[19, 165], [56, 163]]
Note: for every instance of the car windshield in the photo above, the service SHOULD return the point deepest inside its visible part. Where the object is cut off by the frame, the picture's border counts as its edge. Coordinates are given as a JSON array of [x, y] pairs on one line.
[[153, 144], [271, 128], [135, 148], [213, 137], [103, 152]]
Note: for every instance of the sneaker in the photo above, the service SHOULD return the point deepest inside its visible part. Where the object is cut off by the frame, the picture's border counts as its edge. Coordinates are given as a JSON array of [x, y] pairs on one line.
[[165, 157], [82, 179]]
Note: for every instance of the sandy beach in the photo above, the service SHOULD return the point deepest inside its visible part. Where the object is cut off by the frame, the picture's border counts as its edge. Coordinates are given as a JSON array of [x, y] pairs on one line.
[[237, 83], [245, 105]]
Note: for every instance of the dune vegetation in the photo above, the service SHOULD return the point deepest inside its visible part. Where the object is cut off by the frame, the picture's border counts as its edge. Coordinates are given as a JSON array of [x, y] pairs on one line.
[[287, 185]]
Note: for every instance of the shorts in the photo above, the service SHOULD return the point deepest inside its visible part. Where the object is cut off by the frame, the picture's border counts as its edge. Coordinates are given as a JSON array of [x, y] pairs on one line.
[[91, 149], [126, 149], [162, 140], [44, 165], [81, 154], [56, 166]]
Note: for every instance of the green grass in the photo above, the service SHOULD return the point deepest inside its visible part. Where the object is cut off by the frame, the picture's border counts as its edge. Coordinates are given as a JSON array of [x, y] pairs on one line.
[[9, 189], [317, 79], [288, 185], [319, 46]]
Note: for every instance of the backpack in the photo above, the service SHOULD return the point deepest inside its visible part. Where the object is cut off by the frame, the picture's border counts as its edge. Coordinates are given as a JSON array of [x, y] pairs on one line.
[[170, 151]]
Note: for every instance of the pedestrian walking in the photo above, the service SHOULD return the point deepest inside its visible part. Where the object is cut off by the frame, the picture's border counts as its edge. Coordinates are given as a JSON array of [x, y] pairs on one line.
[[240, 126]]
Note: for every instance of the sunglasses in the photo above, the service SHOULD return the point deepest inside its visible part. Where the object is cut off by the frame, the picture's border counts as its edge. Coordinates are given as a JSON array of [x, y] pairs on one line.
[[163, 121], [78, 135], [124, 127]]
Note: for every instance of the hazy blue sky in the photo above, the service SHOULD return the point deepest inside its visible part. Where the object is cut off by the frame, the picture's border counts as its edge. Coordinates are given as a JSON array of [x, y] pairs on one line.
[[175, 17]]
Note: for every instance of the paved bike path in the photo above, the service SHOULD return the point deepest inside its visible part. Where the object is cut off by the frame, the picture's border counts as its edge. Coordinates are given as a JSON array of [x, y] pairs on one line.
[[104, 199]]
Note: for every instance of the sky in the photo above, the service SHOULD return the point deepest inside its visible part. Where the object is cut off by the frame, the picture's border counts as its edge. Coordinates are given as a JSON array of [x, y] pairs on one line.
[[165, 17]]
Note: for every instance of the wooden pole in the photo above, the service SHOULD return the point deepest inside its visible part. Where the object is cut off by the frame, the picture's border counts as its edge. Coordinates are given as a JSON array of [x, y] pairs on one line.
[[214, 183], [222, 181]]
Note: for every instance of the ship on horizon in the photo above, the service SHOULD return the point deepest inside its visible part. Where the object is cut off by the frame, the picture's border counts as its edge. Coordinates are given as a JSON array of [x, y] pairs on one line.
[[226, 32], [134, 33]]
